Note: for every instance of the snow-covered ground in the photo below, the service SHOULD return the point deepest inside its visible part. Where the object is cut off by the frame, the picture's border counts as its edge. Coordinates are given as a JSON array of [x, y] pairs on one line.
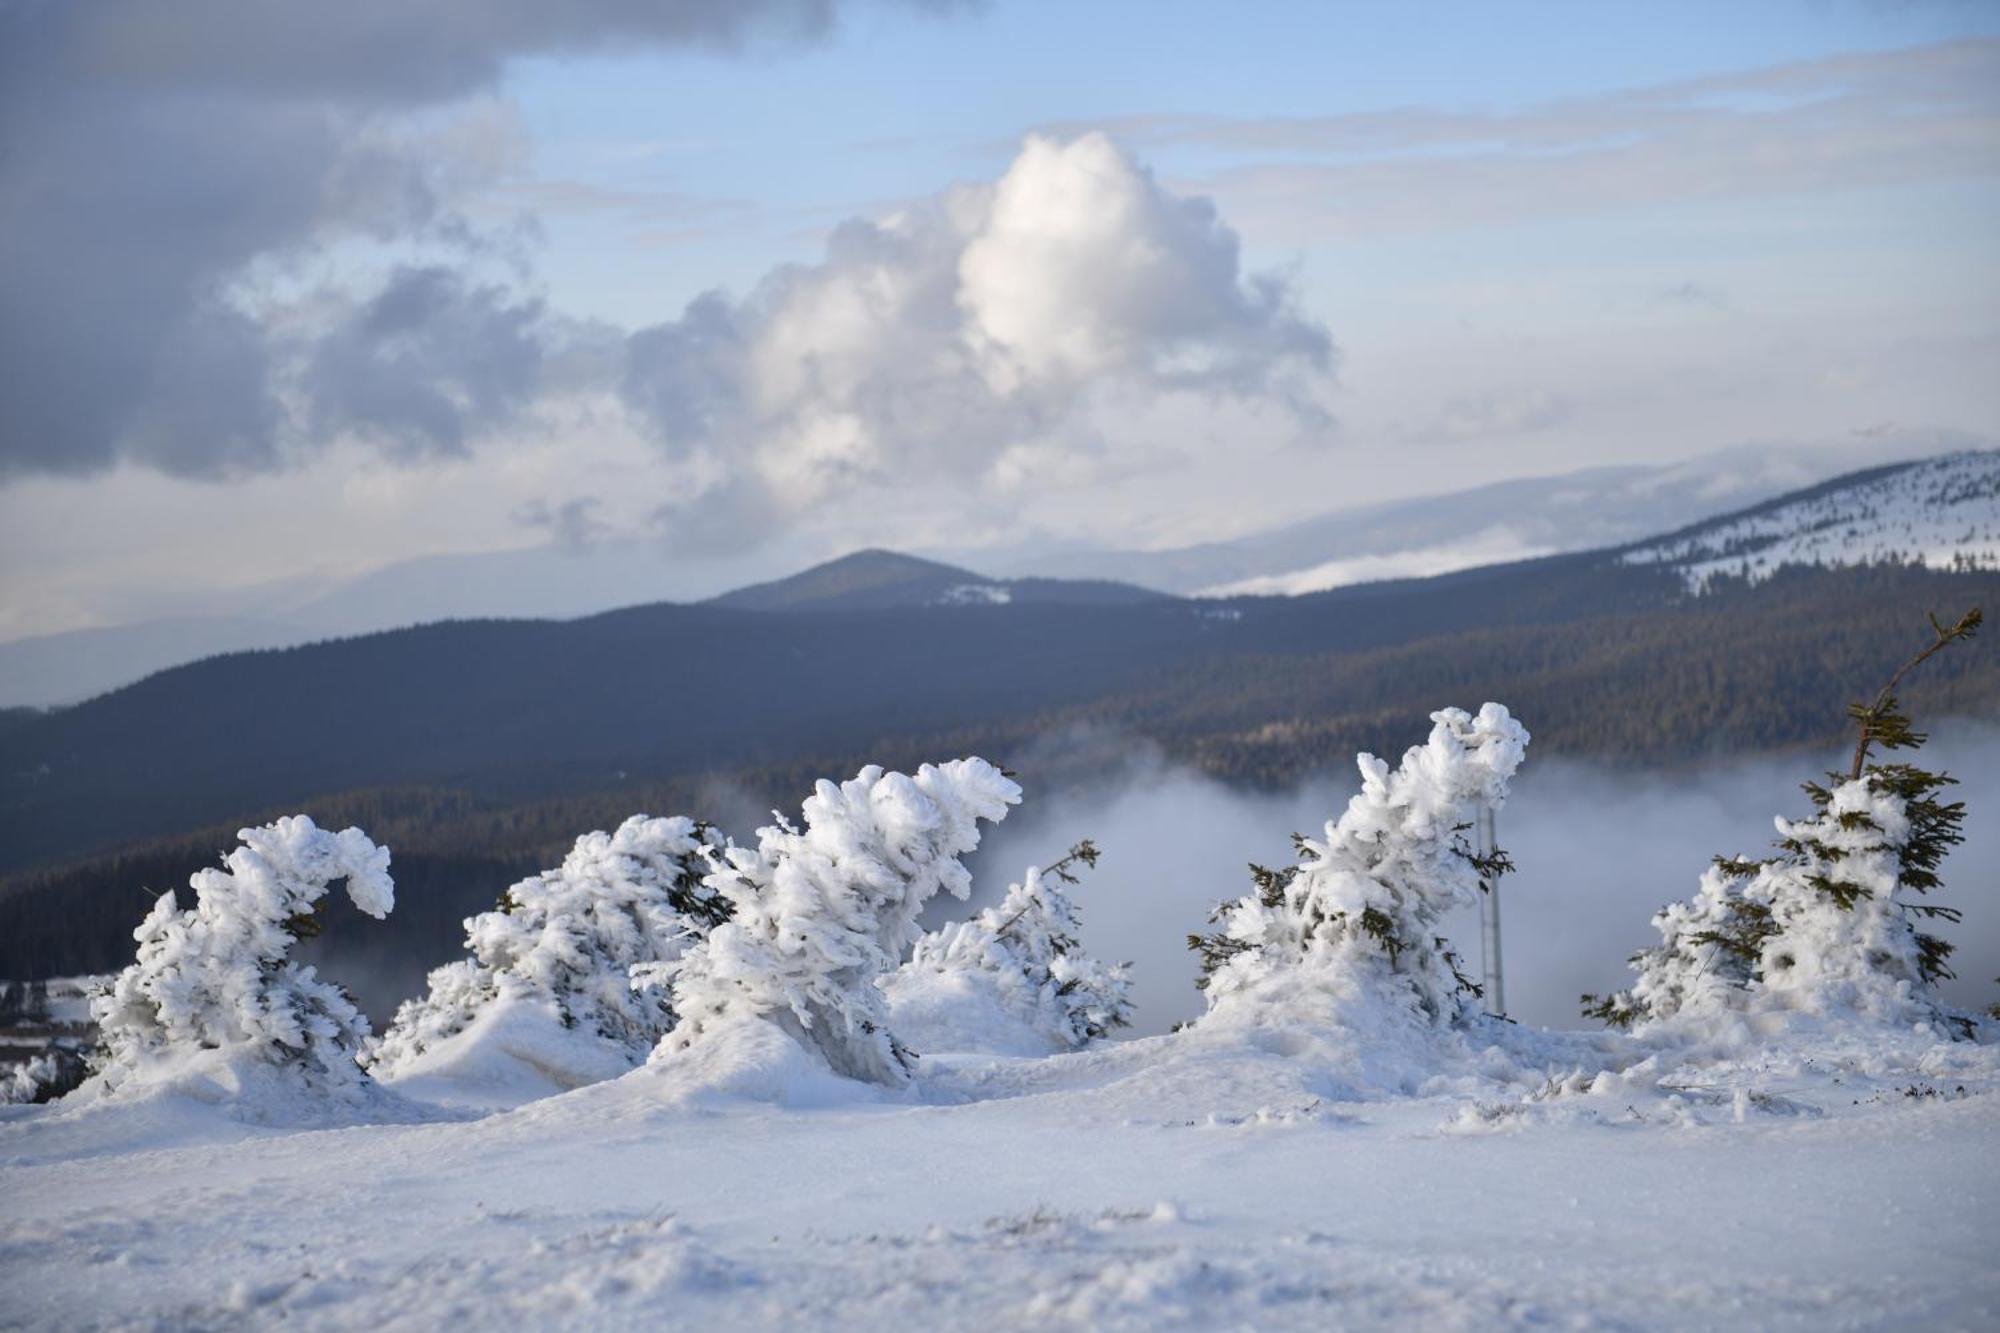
[[1942, 512], [1343, 1137], [1203, 1179]]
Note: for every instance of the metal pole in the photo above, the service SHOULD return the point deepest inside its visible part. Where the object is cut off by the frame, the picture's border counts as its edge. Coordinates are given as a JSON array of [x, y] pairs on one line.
[[1489, 922]]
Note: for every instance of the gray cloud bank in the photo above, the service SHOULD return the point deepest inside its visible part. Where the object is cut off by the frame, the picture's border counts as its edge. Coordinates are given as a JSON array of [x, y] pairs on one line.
[[179, 186], [158, 161]]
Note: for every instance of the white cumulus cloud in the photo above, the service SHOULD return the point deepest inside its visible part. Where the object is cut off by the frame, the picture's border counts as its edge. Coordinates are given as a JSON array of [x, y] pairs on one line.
[[965, 329]]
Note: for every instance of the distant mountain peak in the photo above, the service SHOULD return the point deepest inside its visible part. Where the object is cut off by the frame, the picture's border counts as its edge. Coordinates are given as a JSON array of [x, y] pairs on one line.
[[871, 577], [883, 559], [875, 580]]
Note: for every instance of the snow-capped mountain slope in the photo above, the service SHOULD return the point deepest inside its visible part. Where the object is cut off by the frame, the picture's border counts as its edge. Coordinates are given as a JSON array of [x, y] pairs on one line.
[[1505, 521], [1942, 512]]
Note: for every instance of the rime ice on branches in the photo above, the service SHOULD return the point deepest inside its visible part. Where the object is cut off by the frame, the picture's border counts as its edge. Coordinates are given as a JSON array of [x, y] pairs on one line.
[[1014, 976], [819, 915], [1350, 934], [218, 977], [550, 979]]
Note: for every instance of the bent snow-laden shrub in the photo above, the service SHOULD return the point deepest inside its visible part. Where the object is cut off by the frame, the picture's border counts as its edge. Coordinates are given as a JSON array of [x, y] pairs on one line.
[[1831, 926], [1349, 936], [218, 978], [1014, 979], [819, 915], [46, 1076], [549, 982]]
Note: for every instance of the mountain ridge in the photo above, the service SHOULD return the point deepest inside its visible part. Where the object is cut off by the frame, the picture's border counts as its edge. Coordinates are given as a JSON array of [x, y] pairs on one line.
[[53, 671], [1421, 537], [1933, 511]]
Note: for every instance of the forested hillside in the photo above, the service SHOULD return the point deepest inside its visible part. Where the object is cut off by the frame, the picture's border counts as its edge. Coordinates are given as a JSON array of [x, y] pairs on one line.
[[532, 709], [478, 751]]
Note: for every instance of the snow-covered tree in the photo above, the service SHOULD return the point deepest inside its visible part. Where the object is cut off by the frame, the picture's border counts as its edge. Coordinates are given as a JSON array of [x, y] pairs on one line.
[[218, 976], [1355, 923], [1013, 977], [821, 914], [1828, 926], [46, 1076], [550, 977]]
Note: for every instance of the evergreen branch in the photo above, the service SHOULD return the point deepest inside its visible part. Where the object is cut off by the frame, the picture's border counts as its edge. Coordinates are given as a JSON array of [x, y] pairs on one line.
[[1084, 851], [1928, 910], [1880, 717]]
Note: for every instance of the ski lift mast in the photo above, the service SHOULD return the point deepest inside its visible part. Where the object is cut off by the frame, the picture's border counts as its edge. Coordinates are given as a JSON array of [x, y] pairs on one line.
[[1489, 922]]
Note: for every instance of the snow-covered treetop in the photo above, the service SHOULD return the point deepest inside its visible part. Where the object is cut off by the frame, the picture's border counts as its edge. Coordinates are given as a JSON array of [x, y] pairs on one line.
[[1365, 899], [820, 913], [218, 975], [1025, 951], [1464, 764], [889, 841], [1035, 922], [561, 954], [251, 906], [618, 898]]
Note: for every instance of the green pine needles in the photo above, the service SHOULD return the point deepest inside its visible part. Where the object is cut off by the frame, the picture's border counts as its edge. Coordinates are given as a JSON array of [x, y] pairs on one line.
[[1268, 886]]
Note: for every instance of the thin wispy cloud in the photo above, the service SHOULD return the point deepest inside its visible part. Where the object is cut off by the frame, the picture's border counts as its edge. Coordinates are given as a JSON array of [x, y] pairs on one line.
[[1895, 117], [1692, 293], [1491, 415]]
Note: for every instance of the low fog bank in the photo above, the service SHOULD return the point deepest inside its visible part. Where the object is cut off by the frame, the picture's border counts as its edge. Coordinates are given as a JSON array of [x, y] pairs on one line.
[[1597, 852]]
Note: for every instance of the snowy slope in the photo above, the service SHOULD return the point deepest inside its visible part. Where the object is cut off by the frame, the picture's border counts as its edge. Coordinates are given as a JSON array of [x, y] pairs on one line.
[[1169, 1182], [1942, 512]]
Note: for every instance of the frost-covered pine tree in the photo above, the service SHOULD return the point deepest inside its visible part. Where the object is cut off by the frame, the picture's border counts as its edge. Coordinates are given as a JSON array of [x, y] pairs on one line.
[[820, 914], [1828, 926], [1350, 934], [218, 977], [549, 982], [47, 1076], [1014, 978]]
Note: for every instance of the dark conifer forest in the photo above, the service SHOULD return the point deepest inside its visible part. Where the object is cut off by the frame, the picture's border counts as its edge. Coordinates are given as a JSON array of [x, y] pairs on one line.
[[479, 750]]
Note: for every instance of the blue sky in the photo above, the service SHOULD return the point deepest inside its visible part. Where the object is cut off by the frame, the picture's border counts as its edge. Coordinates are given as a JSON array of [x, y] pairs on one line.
[[294, 302], [899, 105]]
